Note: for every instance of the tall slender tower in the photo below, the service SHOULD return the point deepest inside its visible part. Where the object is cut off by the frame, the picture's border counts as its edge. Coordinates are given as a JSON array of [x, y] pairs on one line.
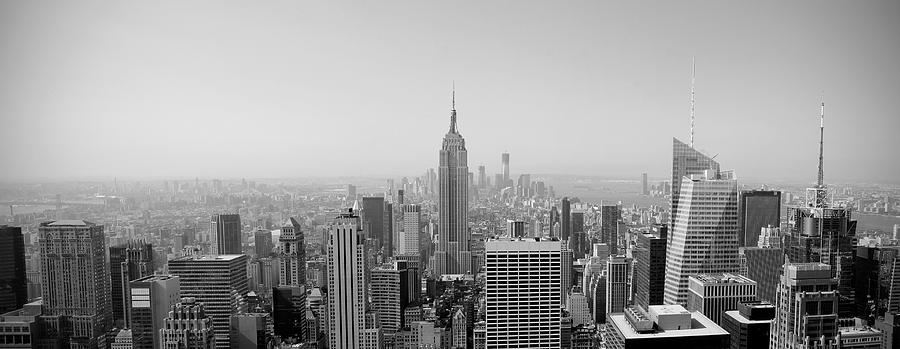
[[346, 282], [504, 158], [452, 255]]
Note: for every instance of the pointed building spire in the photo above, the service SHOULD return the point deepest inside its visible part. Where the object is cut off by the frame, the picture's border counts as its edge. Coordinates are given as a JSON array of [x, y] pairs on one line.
[[453, 108], [693, 71]]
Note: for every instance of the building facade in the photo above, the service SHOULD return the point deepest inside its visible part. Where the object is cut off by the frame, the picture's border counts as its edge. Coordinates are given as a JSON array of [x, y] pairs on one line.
[[218, 282], [73, 257], [704, 239], [346, 281], [522, 293], [453, 255]]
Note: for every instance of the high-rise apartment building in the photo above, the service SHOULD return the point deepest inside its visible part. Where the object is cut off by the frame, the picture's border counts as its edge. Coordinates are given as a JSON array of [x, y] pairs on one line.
[[188, 326], [385, 298], [75, 282], [618, 283], [130, 261], [225, 234], [714, 294], [453, 255], [346, 281], [13, 282], [218, 282], [151, 299], [292, 271], [757, 209], [806, 308], [409, 236], [686, 161], [650, 266], [522, 293], [704, 239]]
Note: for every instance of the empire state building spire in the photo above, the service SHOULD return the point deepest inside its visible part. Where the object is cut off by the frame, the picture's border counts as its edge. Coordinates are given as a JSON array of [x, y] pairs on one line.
[[453, 110]]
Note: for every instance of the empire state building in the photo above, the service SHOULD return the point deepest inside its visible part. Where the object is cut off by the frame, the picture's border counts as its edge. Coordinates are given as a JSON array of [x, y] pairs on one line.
[[452, 255]]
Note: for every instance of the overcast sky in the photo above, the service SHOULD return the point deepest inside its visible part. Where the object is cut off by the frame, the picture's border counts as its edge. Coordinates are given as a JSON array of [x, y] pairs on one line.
[[94, 89]]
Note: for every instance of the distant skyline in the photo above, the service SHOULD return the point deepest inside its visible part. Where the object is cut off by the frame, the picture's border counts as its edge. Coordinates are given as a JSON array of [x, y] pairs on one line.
[[229, 89]]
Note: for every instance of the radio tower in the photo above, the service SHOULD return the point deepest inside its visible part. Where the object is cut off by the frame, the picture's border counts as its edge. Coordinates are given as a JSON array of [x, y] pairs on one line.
[[818, 196]]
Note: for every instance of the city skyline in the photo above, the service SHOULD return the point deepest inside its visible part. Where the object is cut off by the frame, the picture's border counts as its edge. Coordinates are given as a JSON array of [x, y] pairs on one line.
[[754, 86]]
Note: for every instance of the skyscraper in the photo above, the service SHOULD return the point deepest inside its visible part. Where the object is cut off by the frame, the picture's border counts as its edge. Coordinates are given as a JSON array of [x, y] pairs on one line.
[[452, 255], [714, 294], [262, 239], [225, 233], [372, 216], [609, 226], [806, 308], [618, 287], [130, 261], [821, 232], [292, 271], [645, 190], [758, 209], [385, 296], [705, 236], [650, 266], [217, 282], [13, 282], [482, 177], [686, 161], [409, 237], [75, 286], [565, 219], [346, 281], [504, 159], [152, 298], [523, 310], [764, 265]]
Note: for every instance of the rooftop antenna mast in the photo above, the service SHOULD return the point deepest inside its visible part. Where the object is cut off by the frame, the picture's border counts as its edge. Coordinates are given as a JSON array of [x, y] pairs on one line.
[[821, 181], [693, 72]]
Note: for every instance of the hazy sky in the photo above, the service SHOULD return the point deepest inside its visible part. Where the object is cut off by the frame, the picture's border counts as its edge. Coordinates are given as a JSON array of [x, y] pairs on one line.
[[292, 89]]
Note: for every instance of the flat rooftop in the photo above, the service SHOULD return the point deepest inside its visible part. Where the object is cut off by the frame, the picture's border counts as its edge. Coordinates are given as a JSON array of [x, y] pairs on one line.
[[700, 326], [67, 223], [522, 244], [221, 257]]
